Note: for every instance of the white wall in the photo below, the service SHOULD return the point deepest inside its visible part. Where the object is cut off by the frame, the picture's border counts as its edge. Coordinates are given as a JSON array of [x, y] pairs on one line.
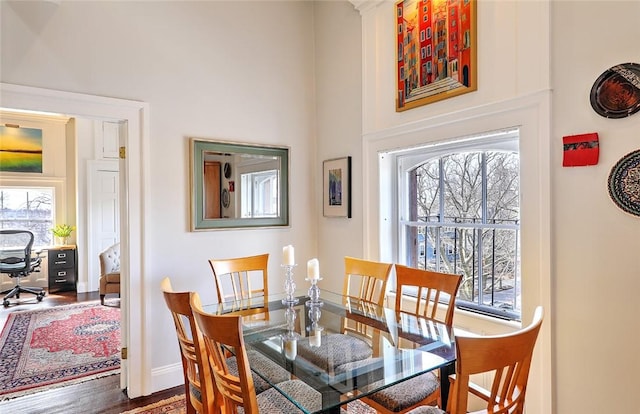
[[339, 129], [596, 270], [239, 71], [580, 248]]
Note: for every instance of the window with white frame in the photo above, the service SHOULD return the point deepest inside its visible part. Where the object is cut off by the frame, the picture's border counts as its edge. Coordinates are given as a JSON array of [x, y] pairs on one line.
[[459, 212], [28, 208], [259, 194]]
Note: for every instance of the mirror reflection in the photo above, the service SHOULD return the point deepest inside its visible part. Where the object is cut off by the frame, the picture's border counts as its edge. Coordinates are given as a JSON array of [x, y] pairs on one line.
[[238, 185]]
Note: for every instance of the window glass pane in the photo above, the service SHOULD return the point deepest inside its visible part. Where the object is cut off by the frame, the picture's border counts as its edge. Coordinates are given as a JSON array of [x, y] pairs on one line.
[[500, 260], [428, 177], [503, 183], [28, 209], [259, 194], [463, 218], [462, 186]]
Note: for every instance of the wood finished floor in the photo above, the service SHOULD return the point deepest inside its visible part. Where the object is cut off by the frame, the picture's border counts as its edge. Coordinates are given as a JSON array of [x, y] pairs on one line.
[[101, 395]]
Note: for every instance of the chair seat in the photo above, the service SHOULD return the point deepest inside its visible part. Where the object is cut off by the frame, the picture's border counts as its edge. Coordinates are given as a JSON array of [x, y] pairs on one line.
[[112, 278], [272, 401], [426, 409], [401, 396], [274, 372], [336, 349]]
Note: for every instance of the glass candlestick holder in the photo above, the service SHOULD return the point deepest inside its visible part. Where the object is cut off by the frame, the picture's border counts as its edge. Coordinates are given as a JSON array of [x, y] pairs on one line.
[[289, 286], [314, 292], [290, 345], [315, 335], [290, 338], [315, 330]]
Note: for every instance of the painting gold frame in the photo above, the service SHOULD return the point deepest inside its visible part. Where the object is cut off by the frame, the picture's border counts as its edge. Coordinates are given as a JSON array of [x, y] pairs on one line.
[[435, 51]]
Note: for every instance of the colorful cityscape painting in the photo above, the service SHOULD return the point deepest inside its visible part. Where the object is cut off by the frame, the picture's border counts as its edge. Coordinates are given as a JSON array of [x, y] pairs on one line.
[[436, 50], [335, 187], [20, 149]]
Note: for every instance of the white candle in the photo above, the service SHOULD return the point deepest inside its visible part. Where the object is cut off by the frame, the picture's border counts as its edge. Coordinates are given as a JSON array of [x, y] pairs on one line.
[[288, 255], [313, 269], [315, 340], [290, 349]]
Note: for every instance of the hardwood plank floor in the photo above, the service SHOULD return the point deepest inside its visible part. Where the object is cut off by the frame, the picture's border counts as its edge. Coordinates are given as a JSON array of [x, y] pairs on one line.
[[101, 395]]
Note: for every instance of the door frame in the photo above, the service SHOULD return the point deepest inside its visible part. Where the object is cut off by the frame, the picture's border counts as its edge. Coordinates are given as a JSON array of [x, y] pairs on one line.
[[135, 375]]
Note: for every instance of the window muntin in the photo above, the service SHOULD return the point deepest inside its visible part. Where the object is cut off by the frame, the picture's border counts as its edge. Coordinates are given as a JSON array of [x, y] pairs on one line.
[[461, 215], [28, 208]]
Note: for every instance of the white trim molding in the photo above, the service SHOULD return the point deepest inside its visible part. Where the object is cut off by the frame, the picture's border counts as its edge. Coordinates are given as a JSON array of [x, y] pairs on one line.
[[364, 6], [135, 374], [531, 115]]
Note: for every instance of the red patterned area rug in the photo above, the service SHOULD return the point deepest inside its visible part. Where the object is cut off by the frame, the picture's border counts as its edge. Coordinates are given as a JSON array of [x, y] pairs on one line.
[[178, 405], [63, 345]]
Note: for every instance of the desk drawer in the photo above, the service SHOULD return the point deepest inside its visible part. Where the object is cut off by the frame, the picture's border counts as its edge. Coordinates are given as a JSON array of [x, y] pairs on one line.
[[62, 280], [62, 259]]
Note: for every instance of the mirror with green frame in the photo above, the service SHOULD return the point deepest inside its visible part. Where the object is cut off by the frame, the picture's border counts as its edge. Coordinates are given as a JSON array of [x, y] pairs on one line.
[[237, 185]]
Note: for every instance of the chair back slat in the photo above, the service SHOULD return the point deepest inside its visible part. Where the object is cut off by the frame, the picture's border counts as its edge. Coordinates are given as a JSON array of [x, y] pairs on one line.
[[436, 292], [222, 333], [234, 276], [368, 279], [199, 388], [507, 356]]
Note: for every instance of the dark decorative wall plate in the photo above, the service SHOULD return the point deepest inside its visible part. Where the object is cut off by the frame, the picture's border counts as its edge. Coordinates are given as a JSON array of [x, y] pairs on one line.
[[616, 93], [225, 198], [624, 183]]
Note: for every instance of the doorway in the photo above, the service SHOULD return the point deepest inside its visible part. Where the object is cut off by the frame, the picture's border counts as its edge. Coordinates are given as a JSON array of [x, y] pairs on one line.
[[135, 116]]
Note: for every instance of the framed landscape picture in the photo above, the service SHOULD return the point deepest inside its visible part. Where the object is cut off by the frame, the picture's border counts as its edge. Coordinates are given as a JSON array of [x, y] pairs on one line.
[[435, 51], [337, 187], [20, 149]]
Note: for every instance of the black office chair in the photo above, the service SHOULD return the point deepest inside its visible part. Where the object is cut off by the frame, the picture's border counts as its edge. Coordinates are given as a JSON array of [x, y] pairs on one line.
[[16, 261]]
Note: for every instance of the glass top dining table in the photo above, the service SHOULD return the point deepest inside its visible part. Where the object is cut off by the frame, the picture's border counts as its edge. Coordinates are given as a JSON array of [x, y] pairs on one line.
[[343, 347]]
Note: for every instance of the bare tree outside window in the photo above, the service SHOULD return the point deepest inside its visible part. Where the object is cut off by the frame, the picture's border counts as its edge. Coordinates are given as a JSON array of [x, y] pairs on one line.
[[28, 209], [469, 204]]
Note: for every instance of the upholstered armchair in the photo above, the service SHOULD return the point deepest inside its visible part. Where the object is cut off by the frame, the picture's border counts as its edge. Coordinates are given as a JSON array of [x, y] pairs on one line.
[[110, 271]]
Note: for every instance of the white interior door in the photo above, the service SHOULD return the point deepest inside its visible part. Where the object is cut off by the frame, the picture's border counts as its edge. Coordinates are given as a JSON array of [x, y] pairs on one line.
[[103, 217]]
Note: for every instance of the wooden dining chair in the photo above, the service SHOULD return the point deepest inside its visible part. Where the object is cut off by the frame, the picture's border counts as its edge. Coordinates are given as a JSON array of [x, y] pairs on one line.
[[222, 333], [431, 294], [241, 278], [198, 380], [365, 281], [426, 294], [507, 357]]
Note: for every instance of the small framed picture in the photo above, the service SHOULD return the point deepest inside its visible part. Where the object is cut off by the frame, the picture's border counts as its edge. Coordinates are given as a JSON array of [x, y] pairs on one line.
[[337, 187]]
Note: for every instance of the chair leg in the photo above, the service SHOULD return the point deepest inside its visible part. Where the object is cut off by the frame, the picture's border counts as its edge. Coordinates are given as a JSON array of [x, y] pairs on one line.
[[17, 290], [102, 299], [35, 291]]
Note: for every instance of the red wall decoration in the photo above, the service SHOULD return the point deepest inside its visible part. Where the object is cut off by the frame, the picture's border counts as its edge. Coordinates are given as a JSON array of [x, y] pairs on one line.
[[580, 150]]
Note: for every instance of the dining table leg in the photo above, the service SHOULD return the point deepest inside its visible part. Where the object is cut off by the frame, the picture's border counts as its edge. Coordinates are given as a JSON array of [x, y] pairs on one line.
[[445, 371], [330, 397]]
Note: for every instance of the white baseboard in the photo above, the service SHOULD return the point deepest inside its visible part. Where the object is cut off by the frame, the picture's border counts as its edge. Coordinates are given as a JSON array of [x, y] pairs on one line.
[[165, 377]]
